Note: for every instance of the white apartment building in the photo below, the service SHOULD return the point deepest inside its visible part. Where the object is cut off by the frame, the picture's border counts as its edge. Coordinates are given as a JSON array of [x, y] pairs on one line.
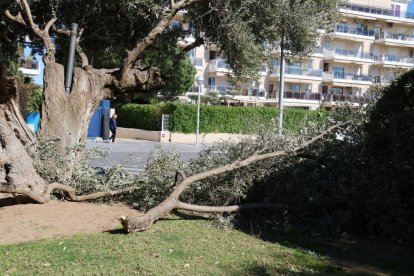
[[355, 57], [29, 66]]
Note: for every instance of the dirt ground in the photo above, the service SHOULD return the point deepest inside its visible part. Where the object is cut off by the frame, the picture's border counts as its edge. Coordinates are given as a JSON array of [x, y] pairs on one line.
[[28, 222]]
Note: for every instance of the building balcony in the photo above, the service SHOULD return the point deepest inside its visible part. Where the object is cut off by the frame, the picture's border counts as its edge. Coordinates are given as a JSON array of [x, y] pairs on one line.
[[347, 56], [29, 67], [393, 61], [197, 62], [298, 74], [219, 89], [334, 99], [346, 78], [382, 80], [308, 96], [374, 13], [394, 39], [353, 32], [317, 52], [218, 66]]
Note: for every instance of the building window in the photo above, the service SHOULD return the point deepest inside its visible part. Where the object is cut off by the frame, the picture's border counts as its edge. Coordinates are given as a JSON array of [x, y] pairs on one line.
[[211, 81], [293, 87], [338, 72], [396, 10], [337, 90], [192, 53], [212, 55], [308, 87]]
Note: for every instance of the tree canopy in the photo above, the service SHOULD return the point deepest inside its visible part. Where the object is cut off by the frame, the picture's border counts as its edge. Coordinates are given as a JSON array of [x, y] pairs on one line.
[[114, 34]]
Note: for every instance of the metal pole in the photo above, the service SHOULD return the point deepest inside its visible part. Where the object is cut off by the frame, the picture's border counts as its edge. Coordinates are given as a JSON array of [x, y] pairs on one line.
[[281, 85], [198, 114], [71, 58]]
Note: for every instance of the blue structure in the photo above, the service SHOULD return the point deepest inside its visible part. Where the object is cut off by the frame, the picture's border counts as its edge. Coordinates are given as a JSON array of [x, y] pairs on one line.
[[34, 119], [100, 121]]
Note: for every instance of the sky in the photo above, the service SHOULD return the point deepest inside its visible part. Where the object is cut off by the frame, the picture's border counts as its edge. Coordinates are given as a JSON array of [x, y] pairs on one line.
[[37, 79]]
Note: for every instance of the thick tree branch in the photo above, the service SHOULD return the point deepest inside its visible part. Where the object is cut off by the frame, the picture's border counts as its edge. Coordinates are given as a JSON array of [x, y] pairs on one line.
[[71, 193], [226, 209], [42, 34], [18, 18], [81, 53], [83, 57], [134, 54], [141, 223]]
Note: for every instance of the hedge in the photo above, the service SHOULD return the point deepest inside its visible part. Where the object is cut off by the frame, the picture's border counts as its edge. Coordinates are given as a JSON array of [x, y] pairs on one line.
[[213, 119]]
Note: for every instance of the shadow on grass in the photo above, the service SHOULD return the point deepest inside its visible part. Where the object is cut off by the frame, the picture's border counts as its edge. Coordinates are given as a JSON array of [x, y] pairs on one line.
[[356, 256], [179, 215], [119, 231]]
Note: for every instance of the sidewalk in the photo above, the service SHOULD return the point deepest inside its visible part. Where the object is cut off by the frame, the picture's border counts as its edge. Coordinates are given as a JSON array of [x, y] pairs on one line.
[[134, 153]]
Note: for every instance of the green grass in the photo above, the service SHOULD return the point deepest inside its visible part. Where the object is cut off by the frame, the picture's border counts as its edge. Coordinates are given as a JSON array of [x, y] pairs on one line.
[[170, 247]]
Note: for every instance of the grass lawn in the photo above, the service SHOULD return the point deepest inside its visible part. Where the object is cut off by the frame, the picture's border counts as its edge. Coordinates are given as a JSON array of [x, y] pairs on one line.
[[170, 247]]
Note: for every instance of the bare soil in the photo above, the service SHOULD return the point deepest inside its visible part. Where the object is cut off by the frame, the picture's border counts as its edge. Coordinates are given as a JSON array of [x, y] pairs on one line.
[[28, 222]]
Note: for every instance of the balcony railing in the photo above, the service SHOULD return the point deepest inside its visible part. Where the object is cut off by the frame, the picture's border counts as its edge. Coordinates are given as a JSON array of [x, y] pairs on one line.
[[355, 30], [28, 63], [221, 89], [377, 10], [218, 64], [347, 98], [318, 50], [302, 96], [353, 54], [296, 71], [197, 61], [395, 36], [393, 59], [383, 79], [346, 76], [303, 72]]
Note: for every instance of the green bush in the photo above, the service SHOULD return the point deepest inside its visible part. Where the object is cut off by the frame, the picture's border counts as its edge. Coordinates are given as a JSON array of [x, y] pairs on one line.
[[215, 119], [145, 116]]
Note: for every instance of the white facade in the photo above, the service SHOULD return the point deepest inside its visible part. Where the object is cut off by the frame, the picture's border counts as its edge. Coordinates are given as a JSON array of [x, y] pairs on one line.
[[355, 57]]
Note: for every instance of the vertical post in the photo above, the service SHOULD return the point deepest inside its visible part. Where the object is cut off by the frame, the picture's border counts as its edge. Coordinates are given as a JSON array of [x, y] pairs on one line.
[[199, 81], [198, 114], [281, 85], [71, 58]]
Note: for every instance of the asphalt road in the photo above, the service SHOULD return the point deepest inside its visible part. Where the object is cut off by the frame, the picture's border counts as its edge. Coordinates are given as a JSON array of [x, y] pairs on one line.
[[134, 153]]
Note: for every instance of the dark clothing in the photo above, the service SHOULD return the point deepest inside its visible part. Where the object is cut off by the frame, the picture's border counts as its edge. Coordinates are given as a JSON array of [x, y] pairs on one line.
[[112, 124], [112, 127]]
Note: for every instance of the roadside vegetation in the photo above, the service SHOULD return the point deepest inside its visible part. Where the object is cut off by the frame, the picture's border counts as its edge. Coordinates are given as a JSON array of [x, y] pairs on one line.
[[214, 118]]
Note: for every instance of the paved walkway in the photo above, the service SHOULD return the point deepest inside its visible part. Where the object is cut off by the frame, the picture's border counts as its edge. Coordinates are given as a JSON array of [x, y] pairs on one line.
[[134, 153]]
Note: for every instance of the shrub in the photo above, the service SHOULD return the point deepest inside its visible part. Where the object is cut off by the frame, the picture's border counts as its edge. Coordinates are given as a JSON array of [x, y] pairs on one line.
[[215, 119], [146, 116]]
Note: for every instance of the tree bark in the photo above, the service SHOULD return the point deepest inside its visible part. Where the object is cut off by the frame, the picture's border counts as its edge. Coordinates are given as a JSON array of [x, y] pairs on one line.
[[66, 116], [16, 167]]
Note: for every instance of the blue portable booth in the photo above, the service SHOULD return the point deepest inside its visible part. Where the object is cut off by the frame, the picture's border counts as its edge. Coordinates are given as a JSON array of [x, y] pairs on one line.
[[34, 119], [99, 125]]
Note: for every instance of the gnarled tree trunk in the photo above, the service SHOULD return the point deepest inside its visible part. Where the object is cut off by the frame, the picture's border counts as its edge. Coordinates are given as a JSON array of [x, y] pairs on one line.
[[67, 115], [16, 168]]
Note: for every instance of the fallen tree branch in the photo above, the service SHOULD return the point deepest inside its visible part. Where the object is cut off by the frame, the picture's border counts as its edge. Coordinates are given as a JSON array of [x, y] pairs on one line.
[[226, 209], [71, 192], [141, 223]]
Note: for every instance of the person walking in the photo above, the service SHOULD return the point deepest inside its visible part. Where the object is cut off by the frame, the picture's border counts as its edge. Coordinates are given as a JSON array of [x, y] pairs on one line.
[[112, 127]]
